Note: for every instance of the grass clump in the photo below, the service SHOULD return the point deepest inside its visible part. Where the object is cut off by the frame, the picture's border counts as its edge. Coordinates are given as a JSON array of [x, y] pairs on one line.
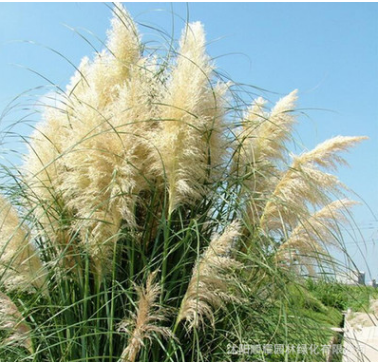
[[343, 297], [156, 222]]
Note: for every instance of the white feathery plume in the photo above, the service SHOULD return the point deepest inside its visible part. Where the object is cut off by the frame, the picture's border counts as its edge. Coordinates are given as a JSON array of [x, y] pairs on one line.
[[144, 322], [43, 173], [247, 153], [190, 131], [96, 83], [123, 38], [264, 133], [309, 238], [98, 161], [325, 155], [321, 228], [107, 166], [212, 284], [261, 146], [304, 184], [275, 130]]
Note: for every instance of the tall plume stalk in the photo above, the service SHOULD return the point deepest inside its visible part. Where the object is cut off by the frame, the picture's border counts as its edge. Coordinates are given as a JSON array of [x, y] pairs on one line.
[[190, 135], [212, 284], [311, 236], [145, 321], [261, 148], [304, 184]]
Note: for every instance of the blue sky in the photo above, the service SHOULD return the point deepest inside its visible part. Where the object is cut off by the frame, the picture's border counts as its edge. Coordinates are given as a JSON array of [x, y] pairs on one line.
[[326, 50]]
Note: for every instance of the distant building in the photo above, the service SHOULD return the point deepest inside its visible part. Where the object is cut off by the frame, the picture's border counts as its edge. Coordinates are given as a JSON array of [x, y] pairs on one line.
[[361, 278], [352, 278], [373, 283]]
